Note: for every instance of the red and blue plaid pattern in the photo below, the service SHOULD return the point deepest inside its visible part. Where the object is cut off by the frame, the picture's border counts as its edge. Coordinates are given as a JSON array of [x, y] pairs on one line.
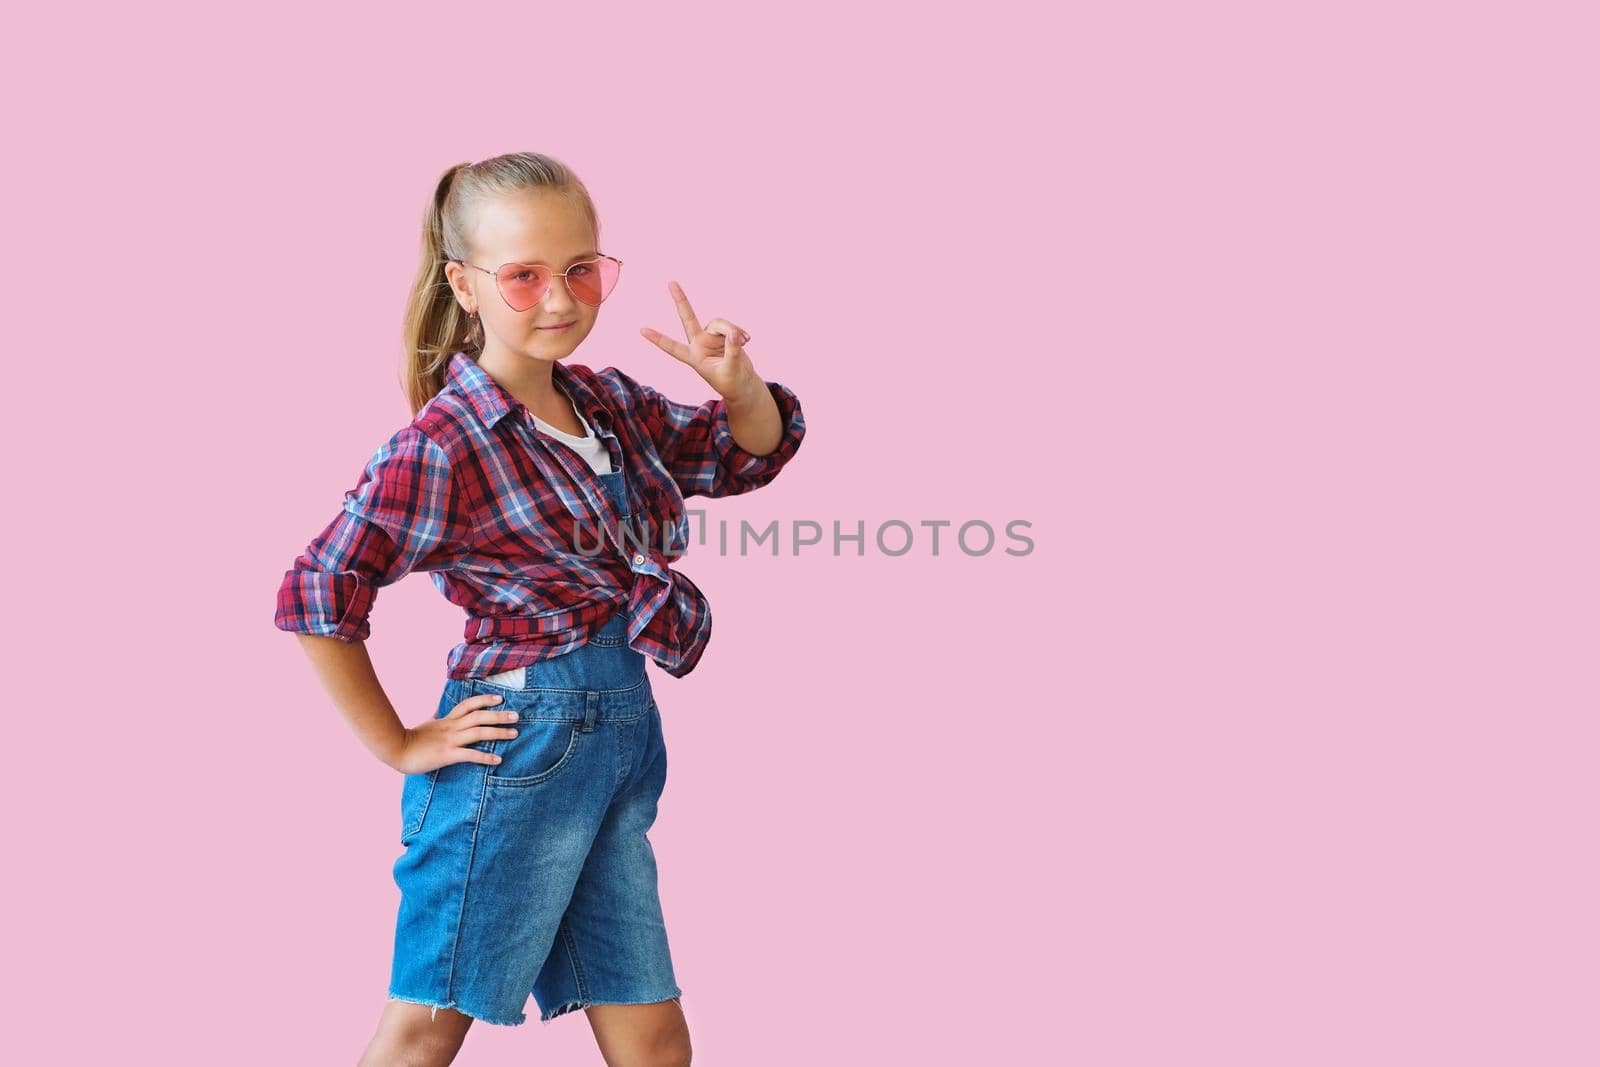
[[501, 513]]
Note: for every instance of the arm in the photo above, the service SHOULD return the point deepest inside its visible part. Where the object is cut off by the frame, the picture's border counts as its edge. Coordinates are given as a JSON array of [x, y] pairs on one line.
[[404, 514], [724, 446], [755, 420], [345, 671]]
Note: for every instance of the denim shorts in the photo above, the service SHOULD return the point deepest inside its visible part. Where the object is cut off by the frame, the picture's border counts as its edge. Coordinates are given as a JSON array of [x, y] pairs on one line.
[[536, 875]]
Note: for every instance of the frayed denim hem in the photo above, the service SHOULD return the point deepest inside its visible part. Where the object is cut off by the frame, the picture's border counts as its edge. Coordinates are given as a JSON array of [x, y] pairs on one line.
[[573, 1005], [436, 1005]]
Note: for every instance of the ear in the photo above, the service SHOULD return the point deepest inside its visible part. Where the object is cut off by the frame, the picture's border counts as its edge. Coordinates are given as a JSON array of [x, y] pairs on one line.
[[456, 275]]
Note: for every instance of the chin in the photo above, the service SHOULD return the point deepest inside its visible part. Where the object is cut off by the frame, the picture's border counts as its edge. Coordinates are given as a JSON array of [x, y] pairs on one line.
[[549, 348], [560, 342]]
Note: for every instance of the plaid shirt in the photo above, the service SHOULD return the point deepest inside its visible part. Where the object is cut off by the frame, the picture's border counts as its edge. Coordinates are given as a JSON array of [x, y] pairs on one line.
[[508, 520]]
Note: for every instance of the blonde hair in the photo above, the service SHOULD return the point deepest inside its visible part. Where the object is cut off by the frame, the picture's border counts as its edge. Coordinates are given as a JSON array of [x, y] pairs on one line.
[[436, 325]]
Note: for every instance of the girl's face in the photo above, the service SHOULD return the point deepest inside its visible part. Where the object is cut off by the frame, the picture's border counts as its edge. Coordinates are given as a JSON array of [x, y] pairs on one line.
[[541, 227]]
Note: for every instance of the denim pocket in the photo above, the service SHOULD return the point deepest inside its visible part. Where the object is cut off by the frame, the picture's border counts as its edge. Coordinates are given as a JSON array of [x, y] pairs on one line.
[[539, 752], [416, 793]]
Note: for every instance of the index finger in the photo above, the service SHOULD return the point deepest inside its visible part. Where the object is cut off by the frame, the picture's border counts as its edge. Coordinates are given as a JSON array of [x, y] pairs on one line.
[[473, 703], [691, 325]]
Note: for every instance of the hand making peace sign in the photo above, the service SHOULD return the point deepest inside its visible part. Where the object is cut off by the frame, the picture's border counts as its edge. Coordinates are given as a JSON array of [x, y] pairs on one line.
[[716, 352]]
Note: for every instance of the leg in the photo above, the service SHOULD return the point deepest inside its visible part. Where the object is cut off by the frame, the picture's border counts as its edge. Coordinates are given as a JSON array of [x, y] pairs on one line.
[[641, 1035], [611, 946], [413, 1035], [611, 955]]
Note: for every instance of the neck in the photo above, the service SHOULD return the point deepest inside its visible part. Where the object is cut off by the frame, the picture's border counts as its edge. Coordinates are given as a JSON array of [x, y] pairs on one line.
[[530, 380]]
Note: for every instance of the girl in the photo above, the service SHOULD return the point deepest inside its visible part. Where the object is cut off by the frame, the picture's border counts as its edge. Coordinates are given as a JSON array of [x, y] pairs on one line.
[[546, 499]]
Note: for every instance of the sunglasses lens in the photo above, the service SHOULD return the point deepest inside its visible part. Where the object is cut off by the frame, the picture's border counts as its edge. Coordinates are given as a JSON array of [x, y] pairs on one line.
[[523, 286], [593, 281]]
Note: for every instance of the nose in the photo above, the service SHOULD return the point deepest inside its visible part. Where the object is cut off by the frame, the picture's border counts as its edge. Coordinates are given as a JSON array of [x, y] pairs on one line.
[[558, 299]]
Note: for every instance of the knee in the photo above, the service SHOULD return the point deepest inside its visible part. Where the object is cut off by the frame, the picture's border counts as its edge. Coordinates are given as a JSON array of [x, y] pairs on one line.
[[674, 1053], [414, 1035], [669, 1049], [411, 1048]]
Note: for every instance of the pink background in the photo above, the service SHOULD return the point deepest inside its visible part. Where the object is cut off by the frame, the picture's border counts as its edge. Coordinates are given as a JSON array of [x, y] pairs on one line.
[[1277, 323]]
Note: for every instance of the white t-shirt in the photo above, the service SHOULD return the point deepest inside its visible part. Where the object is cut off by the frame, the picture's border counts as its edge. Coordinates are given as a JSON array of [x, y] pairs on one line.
[[590, 447]]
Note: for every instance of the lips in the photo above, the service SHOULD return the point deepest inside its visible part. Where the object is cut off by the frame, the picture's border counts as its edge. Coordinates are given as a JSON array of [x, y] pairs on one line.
[[560, 326]]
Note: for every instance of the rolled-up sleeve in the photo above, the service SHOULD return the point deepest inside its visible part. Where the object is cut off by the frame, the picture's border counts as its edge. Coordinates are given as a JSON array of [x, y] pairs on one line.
[[697, 447], [405, 514]]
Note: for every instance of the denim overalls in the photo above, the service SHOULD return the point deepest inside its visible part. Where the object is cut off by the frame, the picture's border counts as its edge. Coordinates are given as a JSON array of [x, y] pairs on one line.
[[536, 875]]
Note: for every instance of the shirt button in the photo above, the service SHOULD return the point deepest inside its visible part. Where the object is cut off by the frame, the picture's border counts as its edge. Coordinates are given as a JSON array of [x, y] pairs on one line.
[[638, 557]]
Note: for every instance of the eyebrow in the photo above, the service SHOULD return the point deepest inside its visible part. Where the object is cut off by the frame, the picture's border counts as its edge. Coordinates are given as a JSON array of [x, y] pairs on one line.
[[570, 262]]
